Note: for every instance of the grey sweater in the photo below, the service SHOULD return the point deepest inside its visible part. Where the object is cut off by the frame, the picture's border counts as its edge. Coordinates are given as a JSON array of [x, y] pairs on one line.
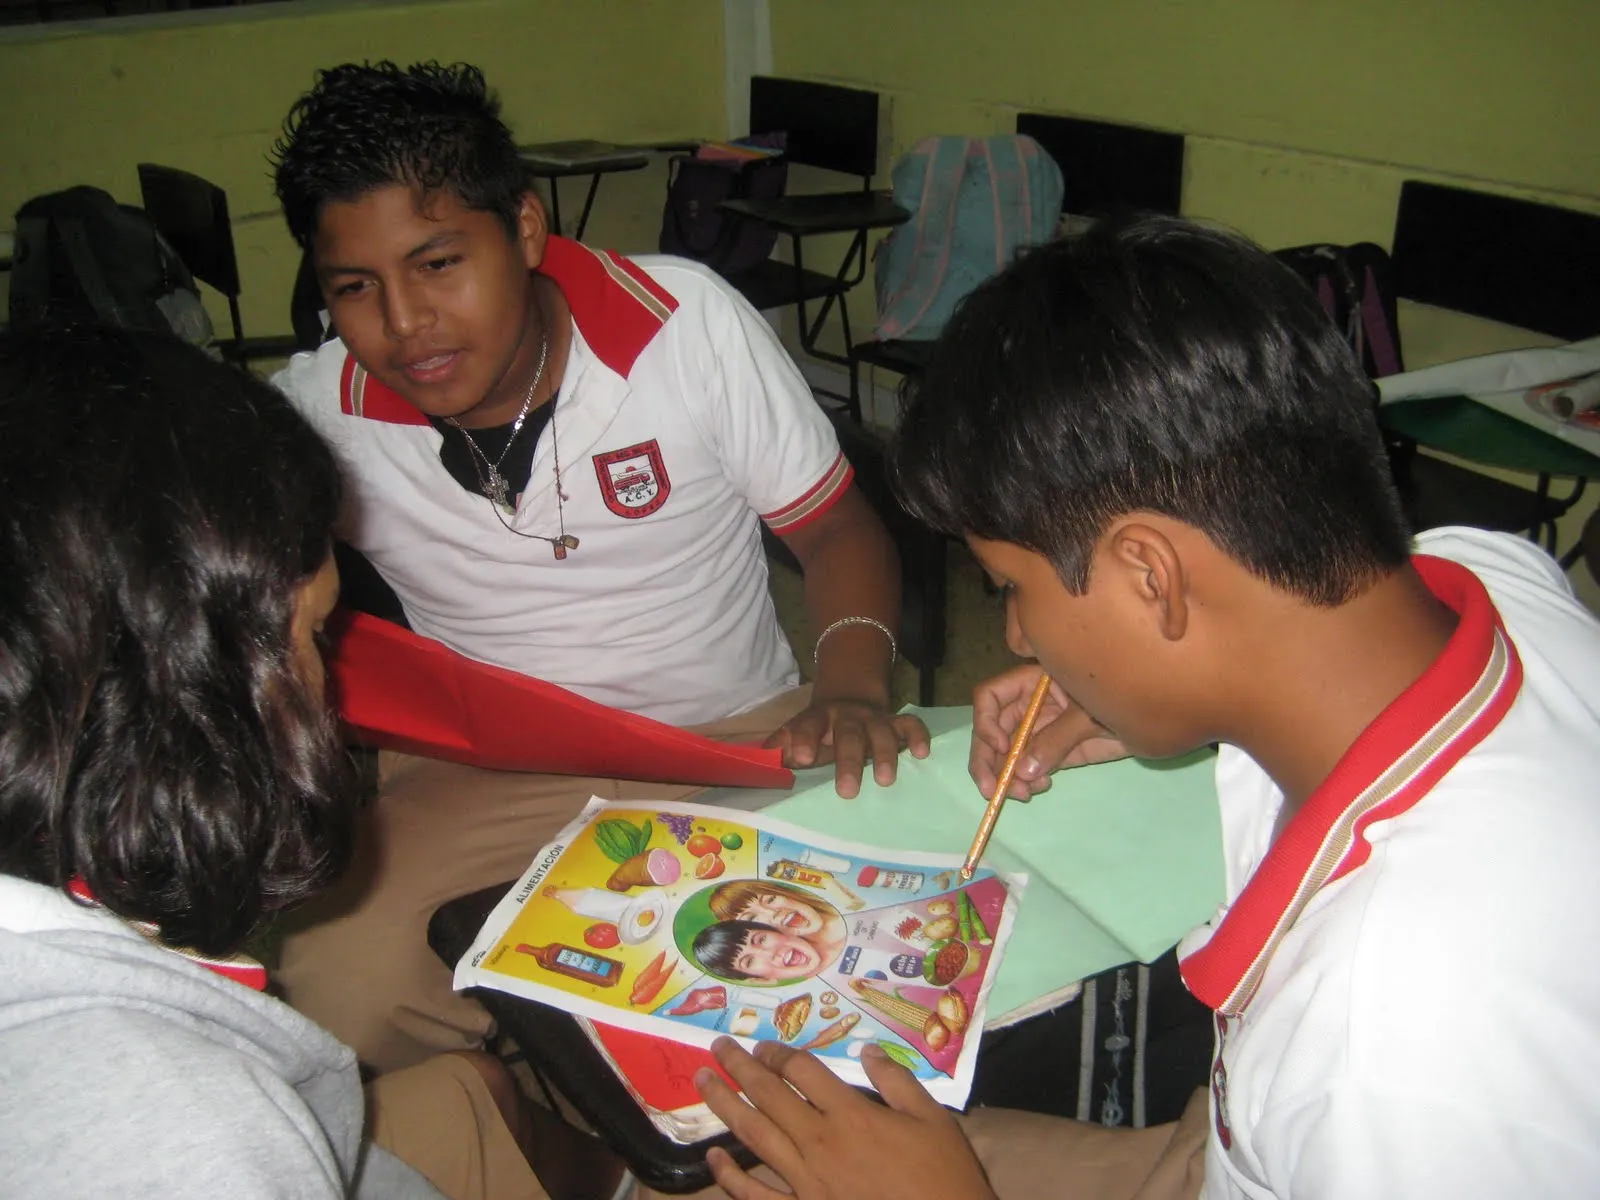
[[127, 1070]]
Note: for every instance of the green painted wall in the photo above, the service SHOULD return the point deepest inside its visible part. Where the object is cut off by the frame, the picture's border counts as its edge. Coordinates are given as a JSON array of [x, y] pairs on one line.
[[207, 92], [1303, 117]]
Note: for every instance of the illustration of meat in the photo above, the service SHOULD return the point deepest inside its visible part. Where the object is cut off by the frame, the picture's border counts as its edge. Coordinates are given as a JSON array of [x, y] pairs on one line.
[[701, 1000]]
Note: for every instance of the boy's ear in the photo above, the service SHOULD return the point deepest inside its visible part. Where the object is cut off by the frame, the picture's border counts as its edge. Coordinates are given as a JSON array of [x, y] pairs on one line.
[[1155, 571], [533, 230]]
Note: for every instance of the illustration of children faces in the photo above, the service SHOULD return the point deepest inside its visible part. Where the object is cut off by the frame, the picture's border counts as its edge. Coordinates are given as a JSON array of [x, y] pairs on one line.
[[772, 954], [782, 911], [775, 904], [745, 950]]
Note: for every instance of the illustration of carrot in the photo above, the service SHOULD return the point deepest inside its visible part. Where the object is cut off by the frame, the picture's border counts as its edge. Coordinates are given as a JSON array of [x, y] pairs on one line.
[[652, 979]]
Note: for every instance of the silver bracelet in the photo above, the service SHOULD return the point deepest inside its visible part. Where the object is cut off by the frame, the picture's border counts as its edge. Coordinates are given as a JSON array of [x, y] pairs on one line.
[[894, 648]]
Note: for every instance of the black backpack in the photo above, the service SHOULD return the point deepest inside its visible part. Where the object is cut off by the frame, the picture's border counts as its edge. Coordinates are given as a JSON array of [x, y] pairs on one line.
[[1356, 286], [694, 226], [82, 258]]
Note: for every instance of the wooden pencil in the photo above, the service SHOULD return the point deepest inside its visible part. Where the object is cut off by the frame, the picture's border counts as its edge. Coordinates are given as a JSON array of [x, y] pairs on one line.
[[1019, 740]]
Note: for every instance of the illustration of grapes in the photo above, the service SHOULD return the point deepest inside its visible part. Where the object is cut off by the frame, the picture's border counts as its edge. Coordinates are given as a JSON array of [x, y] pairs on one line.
[[681, 825]]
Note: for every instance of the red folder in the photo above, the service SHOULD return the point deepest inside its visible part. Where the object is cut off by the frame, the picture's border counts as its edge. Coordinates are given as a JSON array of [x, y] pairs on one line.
[[661, 1072], [396, 689]]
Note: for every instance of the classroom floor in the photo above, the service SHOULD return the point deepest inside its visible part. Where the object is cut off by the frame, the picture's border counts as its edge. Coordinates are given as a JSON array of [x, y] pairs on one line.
[[975, 643]]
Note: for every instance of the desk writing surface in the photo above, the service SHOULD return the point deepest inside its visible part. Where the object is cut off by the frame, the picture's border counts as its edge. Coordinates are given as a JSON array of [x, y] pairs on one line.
[[582, 157], [1476, 408], [1463, 427], [830, 212], [1123, 858]]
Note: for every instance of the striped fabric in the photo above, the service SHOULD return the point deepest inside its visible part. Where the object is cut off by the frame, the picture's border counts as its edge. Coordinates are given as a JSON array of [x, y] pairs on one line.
[[816, 501]]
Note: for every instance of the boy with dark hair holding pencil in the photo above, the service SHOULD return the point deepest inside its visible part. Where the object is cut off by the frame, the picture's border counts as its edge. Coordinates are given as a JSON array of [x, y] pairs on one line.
[[1157, 445]]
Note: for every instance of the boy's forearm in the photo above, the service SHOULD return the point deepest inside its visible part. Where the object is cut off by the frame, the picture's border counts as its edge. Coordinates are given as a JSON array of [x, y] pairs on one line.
[[851, 570]]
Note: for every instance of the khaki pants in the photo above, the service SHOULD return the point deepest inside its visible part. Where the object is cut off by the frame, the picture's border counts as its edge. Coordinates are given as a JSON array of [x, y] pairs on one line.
[[1030, 1156], [439, 1118], [357, 961]]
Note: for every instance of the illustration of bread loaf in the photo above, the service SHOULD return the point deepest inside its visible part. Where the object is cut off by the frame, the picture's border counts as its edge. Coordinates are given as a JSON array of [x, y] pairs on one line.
[[791, 1016]]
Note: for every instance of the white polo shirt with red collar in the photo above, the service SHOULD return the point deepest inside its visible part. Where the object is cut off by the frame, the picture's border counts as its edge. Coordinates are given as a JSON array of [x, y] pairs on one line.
[[681, 422], [1406, 994]]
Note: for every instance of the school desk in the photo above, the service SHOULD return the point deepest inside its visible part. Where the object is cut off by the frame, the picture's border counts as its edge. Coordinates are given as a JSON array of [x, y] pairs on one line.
[[555, 161], [1461, 426], [1072, 1056]]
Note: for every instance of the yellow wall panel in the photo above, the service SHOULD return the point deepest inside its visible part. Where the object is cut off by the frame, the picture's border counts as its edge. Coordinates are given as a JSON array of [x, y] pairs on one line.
[[207, 92], [1493, 89]]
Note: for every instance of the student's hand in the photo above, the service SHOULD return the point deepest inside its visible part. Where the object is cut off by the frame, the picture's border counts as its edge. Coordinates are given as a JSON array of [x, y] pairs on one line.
[[847, 733], [1064, 735], [827, 1140]]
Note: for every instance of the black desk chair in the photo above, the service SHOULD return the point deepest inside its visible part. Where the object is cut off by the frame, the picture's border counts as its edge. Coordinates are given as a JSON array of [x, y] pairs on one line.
[[192, 214], [1107, 167], [834, 129], [1535, 266]]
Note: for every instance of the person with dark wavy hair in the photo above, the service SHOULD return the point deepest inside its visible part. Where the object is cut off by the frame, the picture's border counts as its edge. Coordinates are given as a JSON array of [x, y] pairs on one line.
[[367, 126], [170, 781], [561, 461], [1157, 445]]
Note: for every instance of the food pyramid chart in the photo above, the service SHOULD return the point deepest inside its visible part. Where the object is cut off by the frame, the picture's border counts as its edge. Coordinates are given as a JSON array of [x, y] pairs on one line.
[[691, 922]]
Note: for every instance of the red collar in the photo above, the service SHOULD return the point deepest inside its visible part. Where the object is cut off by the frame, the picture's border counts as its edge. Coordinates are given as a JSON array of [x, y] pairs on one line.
[[1392, 765], [616, 306], [239, 968]]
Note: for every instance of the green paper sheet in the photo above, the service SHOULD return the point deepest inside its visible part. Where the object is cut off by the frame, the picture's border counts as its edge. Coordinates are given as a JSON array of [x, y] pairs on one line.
[[1123, 858]]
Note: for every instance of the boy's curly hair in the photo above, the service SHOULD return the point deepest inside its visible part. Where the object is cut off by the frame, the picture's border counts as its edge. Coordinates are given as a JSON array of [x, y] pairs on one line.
[[365, 126]]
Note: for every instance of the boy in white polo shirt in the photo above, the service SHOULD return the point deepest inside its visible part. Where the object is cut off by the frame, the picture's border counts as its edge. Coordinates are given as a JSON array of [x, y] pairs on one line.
[[559, 458], [1155, 442]]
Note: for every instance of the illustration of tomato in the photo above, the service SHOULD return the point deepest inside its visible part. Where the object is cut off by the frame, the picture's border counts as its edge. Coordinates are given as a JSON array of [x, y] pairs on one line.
[[702, 844], [710, 867], [602, 936]]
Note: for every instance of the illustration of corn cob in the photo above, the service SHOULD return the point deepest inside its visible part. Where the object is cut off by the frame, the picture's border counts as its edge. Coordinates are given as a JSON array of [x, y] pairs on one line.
[[907, 1012]]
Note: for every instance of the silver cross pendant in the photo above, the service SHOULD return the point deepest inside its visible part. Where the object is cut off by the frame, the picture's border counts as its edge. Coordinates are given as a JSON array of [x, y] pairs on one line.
[[499, 490]]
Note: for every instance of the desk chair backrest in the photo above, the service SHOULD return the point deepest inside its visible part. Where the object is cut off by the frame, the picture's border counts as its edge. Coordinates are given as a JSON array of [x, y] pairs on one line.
[[307, 316], [1535, 266], [192, 214], [1106, 167], [831, 127]]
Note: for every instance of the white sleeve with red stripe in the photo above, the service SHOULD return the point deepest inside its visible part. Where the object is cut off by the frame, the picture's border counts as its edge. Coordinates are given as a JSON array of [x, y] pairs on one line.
[[776, 445]]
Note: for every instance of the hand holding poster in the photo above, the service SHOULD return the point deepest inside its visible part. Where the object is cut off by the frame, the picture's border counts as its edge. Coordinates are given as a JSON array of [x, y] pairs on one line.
[[690, 923]]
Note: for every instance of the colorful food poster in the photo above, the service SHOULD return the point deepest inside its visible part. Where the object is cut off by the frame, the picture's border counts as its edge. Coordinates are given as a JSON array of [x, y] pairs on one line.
[[691, 922]]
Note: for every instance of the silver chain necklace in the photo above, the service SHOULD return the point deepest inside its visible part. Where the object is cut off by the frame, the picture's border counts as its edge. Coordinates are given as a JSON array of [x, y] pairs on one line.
[[496, 486], [498, 489]]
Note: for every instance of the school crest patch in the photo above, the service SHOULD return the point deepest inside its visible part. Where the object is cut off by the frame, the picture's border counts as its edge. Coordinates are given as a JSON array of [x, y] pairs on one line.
[[633, 480], [1219, 1086]]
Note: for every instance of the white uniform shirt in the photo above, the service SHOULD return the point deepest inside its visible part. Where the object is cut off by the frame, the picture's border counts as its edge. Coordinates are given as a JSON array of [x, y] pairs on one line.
[[680, 421], [1407, 1000]]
